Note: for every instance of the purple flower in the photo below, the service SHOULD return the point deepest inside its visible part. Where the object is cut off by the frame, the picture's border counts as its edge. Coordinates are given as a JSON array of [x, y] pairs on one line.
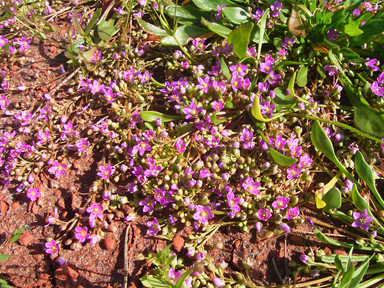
[[203, 214], [332, 34], [275, 8], [284, 227], [200, 256], [3, 40], [332, 70], [106, 172], [264, 214], [288, 42], [250, 186], [204, 84], [376, 89], [218, 282], [192, 111], [82, 145], [305, 259], [217, 106], [95, 210], [81, 234], [247, 137], [173, 275], [233, 202], [95, 87], [239, 68], [180, 146], [141, 147], [57, 168], [33, 193], [293, 171], [153, 227], [52, 247], [281, 203], [305, 161], [293, 213], [373, 64], [148, 205], [362, 220], [3, 102], [280, 142]]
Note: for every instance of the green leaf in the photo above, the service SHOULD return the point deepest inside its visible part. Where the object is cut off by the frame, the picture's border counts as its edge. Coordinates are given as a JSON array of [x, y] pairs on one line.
[[332, 199], [281, 159], [342, 258], [360, 272], [236, 15], [255, 110], [4, 257], [217, 28], [240, 39], [184, 129], [184, 277], [151, 116], [339, 265], [349, 54], [16, 235], [263, 24], [359, 201], [152, 28], [86, 57], [73, 49], [347, 277], [373, 27], [302, 76], [92, 22], [368, 176], [321, 237], [255, 36], [322, 143], [185, 12], [182, 34], [225, 69], [352, 30], [365, 118], [151, 282], [106, 30], [282, 99], [211, 5], [4, 284]]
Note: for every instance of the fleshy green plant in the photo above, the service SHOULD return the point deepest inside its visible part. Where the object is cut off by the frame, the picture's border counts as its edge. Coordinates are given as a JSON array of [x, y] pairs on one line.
[[4, 257]]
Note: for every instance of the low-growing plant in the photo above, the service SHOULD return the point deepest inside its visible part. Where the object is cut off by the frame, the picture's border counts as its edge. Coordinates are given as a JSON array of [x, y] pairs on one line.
[[216, 113]]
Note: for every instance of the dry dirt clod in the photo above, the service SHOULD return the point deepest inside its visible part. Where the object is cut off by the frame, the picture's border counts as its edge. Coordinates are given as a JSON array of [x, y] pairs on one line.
[[43, 279], [25, 239], [64, 272], [178, 243], [109, 243]]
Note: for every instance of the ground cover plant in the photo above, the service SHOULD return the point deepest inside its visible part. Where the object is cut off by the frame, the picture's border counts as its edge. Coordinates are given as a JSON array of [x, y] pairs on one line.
[[210, 115]]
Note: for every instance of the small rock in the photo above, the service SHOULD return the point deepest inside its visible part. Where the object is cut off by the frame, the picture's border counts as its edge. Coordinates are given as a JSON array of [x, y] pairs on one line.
[[327, 251], [139, 245], [64, 272], [14, 68], [340, 251], [35, 65], [126, 209], [178, 243], [25, 239], [42, 279], [109, 243]]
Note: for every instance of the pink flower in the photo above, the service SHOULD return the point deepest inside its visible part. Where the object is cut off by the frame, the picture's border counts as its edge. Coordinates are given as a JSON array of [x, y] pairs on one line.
[[250, 186], [180, 146], [293, 213], [200, 256], [96, 211], [203, 214], [153, 227], [52, 247], [218, 282], [264, 214], [81, 234], [57, 168], [280, 203], [33, 193], [106, 172]]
